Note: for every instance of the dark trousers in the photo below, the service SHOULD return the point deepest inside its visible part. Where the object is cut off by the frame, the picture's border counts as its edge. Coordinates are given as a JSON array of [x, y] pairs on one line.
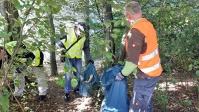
[[143, 89]]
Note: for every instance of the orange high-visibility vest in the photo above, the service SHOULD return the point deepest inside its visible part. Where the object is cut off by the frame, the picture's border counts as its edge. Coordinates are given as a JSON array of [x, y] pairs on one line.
[[149, 61]]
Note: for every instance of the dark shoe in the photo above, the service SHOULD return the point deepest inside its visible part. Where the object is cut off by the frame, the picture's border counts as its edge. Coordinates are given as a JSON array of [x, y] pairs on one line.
[[76, 91], [66, 97], [41, 98]]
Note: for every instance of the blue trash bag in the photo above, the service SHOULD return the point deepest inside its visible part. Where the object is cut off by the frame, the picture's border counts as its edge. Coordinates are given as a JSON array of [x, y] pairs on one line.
[[108, 77], [116, 98], [86, 88]]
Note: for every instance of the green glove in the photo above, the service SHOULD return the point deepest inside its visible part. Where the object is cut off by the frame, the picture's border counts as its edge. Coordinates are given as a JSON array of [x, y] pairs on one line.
[[129, 67]]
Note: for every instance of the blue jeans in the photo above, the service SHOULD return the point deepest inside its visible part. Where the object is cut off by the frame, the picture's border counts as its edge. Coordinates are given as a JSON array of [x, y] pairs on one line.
[[77, 64], [143, 89]]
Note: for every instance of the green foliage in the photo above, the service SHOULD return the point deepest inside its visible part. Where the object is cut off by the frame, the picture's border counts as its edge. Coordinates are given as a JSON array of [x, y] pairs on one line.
[[177, 41], [176, 23], [4, 100], [26, 108], [117, 27], [74, 81], [3, 30], [61, 81], [197, 73], [162, 98]]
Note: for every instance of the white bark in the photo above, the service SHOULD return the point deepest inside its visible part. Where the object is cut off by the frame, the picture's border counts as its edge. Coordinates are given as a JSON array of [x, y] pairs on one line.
[[2, 9]]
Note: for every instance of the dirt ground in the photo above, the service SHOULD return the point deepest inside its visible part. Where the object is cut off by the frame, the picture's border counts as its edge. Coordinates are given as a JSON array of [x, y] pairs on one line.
[[181, 100], [54, 101]]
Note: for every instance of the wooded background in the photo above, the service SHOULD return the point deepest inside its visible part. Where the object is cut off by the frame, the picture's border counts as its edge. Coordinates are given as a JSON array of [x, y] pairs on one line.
[[176, 23]]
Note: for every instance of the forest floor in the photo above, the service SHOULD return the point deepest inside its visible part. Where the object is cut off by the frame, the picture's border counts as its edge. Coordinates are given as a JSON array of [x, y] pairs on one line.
[[180, 97]]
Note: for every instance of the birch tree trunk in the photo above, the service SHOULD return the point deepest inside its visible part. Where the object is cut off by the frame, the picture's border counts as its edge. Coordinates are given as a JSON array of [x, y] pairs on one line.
[[11, 14]]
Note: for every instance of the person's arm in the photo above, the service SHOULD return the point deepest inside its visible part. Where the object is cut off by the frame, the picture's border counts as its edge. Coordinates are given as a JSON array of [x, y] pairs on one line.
[[135, 47], [59, 42], [28, 57], [63, 36], [86, 49]]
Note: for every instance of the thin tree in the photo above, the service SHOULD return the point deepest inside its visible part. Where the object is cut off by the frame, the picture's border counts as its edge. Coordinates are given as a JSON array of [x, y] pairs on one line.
[[107, 30], [53, 63]]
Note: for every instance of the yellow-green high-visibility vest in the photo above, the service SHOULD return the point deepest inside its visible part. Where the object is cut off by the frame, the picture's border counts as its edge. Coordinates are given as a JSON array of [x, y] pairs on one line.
[[75, 50], [10, 47], [35, 51], [36, 60]]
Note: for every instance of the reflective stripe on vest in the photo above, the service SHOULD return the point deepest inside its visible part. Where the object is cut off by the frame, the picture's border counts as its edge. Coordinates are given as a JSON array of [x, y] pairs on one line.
[[150, 69], [150, 56], [75, 50], [149, 61], [36, 60]]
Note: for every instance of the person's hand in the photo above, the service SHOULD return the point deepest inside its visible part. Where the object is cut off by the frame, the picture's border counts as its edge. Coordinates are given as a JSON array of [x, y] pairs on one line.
[[119, 77]]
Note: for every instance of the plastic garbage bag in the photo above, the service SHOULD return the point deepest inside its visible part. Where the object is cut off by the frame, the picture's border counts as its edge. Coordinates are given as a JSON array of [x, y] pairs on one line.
[[108, 77], [90, 80], [116, 98]]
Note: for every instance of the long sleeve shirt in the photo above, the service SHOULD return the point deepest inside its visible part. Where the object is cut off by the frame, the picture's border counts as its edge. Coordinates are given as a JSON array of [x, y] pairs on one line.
[[29, 55], [136, 46]]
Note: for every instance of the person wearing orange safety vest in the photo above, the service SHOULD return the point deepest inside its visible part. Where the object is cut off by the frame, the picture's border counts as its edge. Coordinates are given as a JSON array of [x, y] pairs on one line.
[[75, 34], [142, 59], [27, 55]]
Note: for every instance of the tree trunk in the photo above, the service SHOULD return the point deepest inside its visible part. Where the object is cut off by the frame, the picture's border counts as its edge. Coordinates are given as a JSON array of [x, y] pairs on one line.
[[11, 14], [87, 25], [107, 30], [3, 9], [122, 51], [53, 63]]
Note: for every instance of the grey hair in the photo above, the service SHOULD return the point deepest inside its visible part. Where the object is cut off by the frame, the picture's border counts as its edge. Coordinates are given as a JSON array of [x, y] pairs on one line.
[[133, 7]]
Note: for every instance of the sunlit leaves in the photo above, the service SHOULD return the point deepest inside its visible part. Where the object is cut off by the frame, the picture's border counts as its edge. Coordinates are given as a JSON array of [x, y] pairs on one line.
[[26, 108], [114, 35], [74, 81], [74, 69], [116, 30], [62, 30], [154, 10], [38, 2], [187, 102], [52, 38], [41, 31], [197, 73], [4, 100], [108, 55], [107, 24], [117, 23], [190, 67], [16, 3], [61, 81]]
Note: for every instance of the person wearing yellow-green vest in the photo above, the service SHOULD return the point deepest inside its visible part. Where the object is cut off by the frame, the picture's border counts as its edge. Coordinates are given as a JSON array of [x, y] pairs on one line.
[[27, 55], [74, 55]]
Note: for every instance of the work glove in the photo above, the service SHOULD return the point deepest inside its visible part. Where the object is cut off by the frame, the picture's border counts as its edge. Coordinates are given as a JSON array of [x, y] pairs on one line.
[[63, 56], [119, 76]]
